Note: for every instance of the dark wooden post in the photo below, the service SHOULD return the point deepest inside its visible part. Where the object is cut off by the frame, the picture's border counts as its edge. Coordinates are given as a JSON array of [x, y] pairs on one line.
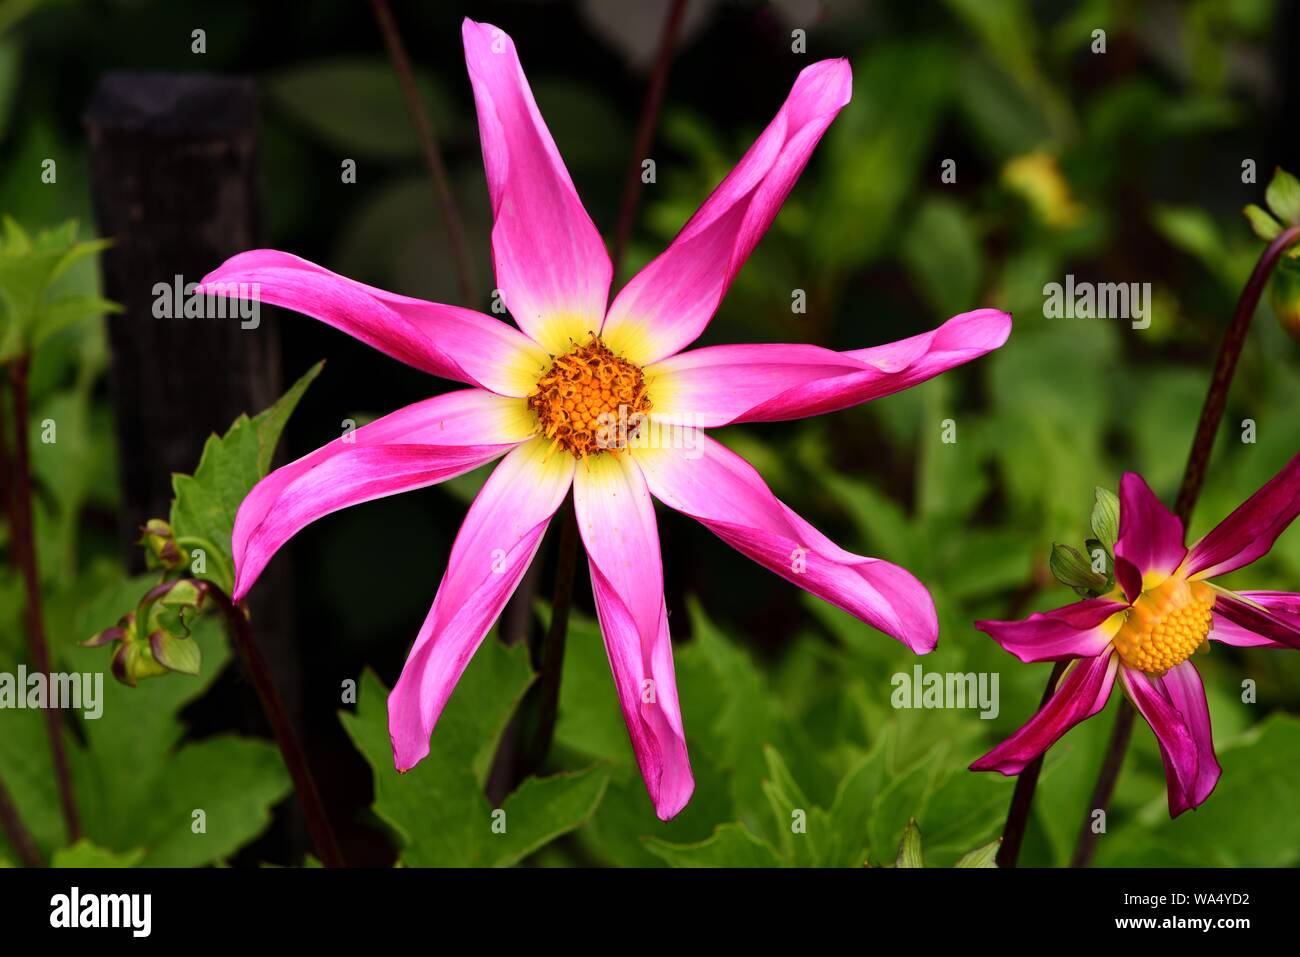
[[174, 166], [176, 179]]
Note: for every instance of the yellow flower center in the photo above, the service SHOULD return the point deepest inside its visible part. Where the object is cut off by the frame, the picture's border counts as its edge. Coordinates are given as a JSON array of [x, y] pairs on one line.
[[590, 400], [1165, 625]]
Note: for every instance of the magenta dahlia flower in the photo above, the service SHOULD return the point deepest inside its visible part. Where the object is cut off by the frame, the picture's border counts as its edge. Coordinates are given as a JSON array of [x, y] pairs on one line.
[[544, 398], [1164, 608]]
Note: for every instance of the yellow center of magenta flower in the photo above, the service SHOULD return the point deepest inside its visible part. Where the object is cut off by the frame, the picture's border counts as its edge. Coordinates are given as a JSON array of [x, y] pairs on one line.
[[1165, 625], [590, 400]]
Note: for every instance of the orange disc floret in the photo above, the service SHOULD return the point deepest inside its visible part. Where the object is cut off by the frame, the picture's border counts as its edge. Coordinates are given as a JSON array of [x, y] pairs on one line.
[[1165, 625], [590, 400]]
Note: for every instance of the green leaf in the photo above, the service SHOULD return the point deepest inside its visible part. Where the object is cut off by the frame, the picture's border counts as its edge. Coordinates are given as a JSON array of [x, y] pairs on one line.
[[590, 721], [269, 423], [942, 252], [205, 503], [874, 152], [1072, 569], [438, 809], [66, 310], [355, 105], [904, 796], [732, 845], [1262, 224], [178, 654], [1105, 517], [964, 810], [1239, 825], [850, 814], [1283, 197], [909, 849], [31, 308], [801, 828], [986, 856], [745, 722], [543, 809], [1192, 230], [234, 782], [137, 784], [86, 854]]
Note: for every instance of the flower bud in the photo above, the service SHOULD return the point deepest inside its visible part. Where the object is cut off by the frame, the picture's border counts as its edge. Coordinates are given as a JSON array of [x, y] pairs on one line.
[[154, 640], [160, 548]]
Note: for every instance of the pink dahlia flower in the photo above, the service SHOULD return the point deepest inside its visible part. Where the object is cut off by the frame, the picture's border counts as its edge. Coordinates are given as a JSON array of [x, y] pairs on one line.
[[543, 395], [1163, 609]]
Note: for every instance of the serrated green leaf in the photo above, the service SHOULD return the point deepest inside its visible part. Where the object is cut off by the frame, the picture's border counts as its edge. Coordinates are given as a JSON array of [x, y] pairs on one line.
[[232, 782], [437, 808], [542, 809], [30, 309], [205, 503], [732, 845], [270, 423], [86, 854], [850, 814], [906, 795]]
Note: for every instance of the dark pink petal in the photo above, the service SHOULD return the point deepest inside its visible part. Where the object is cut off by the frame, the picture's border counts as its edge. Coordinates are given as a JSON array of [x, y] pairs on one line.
[[1187, 694], [617, 521], [448, 341], [721, 490], [424, 443], [494, 548], [1262, 622], [550, 261], [667, 305], [1251, 530], [1080, 694], [719, 385], [1129, 578], [1069, 632], [1282, 605], [1178, 715], [1150, 536]]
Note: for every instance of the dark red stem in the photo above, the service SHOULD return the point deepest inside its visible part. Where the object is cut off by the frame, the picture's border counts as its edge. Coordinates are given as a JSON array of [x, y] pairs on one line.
[[550, 656], [18, 479], [428, 149], [1216, 400], [304, 784]]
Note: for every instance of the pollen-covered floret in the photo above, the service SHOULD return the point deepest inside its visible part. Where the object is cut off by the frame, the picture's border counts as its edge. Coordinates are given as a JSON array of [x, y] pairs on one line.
[[1165, 625], [590, 400]]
